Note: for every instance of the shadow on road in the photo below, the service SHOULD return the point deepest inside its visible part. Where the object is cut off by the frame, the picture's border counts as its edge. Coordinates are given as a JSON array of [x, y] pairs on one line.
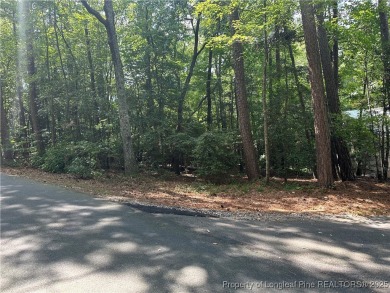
[[55, 240]]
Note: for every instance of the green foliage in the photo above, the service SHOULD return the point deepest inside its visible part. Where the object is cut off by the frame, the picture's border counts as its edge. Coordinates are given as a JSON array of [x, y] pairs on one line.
[[83, 159], [358, 135], [215, 155], [56, 159], [150, 147], [78, 102], [182, 143], [84, 168], [292, 186]]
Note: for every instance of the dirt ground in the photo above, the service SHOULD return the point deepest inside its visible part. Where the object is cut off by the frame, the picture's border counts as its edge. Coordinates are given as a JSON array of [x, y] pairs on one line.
[[364, 197]]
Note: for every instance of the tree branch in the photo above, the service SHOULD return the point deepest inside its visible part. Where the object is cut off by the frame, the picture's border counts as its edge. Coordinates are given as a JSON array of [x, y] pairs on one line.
[[201, 49], [94, 13]]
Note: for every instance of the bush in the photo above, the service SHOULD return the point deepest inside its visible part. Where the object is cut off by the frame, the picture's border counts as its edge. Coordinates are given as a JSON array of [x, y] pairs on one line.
[[56, 159], [82, 159], [215, 155], [84, 168], [180, 145], [181, 142], [37, 161], [149, 148]]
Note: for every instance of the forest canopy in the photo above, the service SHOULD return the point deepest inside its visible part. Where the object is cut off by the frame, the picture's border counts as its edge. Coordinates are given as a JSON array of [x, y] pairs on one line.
[[215, 87]]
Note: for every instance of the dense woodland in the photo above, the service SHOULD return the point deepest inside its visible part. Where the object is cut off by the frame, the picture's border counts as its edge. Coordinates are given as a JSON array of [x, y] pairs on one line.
[[216, 87]]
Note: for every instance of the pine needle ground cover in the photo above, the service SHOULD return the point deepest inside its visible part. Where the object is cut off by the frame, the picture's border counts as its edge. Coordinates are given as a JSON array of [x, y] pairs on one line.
[[363, 197]]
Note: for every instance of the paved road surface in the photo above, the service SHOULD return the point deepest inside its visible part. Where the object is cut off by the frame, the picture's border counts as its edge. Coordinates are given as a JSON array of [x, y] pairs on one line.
[[56, 240]]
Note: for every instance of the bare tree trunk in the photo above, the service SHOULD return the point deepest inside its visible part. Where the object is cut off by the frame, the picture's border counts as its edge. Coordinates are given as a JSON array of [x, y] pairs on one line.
[[341, 160], [19, 95], [321, 123], [148, 70], [250, 156], [222, 111], [186, 85], [183, 93], [335, 51], [22, 114], [149, 87], [32, 84], [270, 66], [384, 28], [6, 147], [64, 75], [52, 121], [330, 82], [264, 99], [285, 112], [276, 99], [208, 91], [385, 40], [95, 116], [124, 119], [300, 94]]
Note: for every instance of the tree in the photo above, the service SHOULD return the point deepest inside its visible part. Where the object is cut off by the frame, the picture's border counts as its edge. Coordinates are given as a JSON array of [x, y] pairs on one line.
[[341, 160], [264, 101], [124, 119], [321, 123], [19, 87], [208, 90], [250, 156], [300, 94], [91, 72], [385, 42], [185, 88], [361, 61], [32, 80], [168, 94], [5, 139]]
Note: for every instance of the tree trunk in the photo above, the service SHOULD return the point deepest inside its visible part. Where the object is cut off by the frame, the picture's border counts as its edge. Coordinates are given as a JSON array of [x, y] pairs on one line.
[[321, 123], [52, 121], [300, 94], [285, 122], [208, 91], [92, 79], [19, 94], [183, 93], [335, 51], [385, 41], [264, 99], [6, 147], [326, 62], [276, 99], [124, 119], [148, 71], [250, 156], [186, 85], [32, 83], [64, 75], [341, 160], [222, 111]]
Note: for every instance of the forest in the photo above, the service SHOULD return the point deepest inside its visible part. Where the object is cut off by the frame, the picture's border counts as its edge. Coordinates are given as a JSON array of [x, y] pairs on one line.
[[215, 88]]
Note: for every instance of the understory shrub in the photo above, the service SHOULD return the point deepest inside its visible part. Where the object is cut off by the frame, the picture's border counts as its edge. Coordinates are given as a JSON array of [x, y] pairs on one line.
[[215, 155], [84, 168], [83, 159], [182, 144], [56, 159]]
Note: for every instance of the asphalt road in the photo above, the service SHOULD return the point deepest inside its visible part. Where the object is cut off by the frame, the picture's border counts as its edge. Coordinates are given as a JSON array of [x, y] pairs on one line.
[[56, 240]]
